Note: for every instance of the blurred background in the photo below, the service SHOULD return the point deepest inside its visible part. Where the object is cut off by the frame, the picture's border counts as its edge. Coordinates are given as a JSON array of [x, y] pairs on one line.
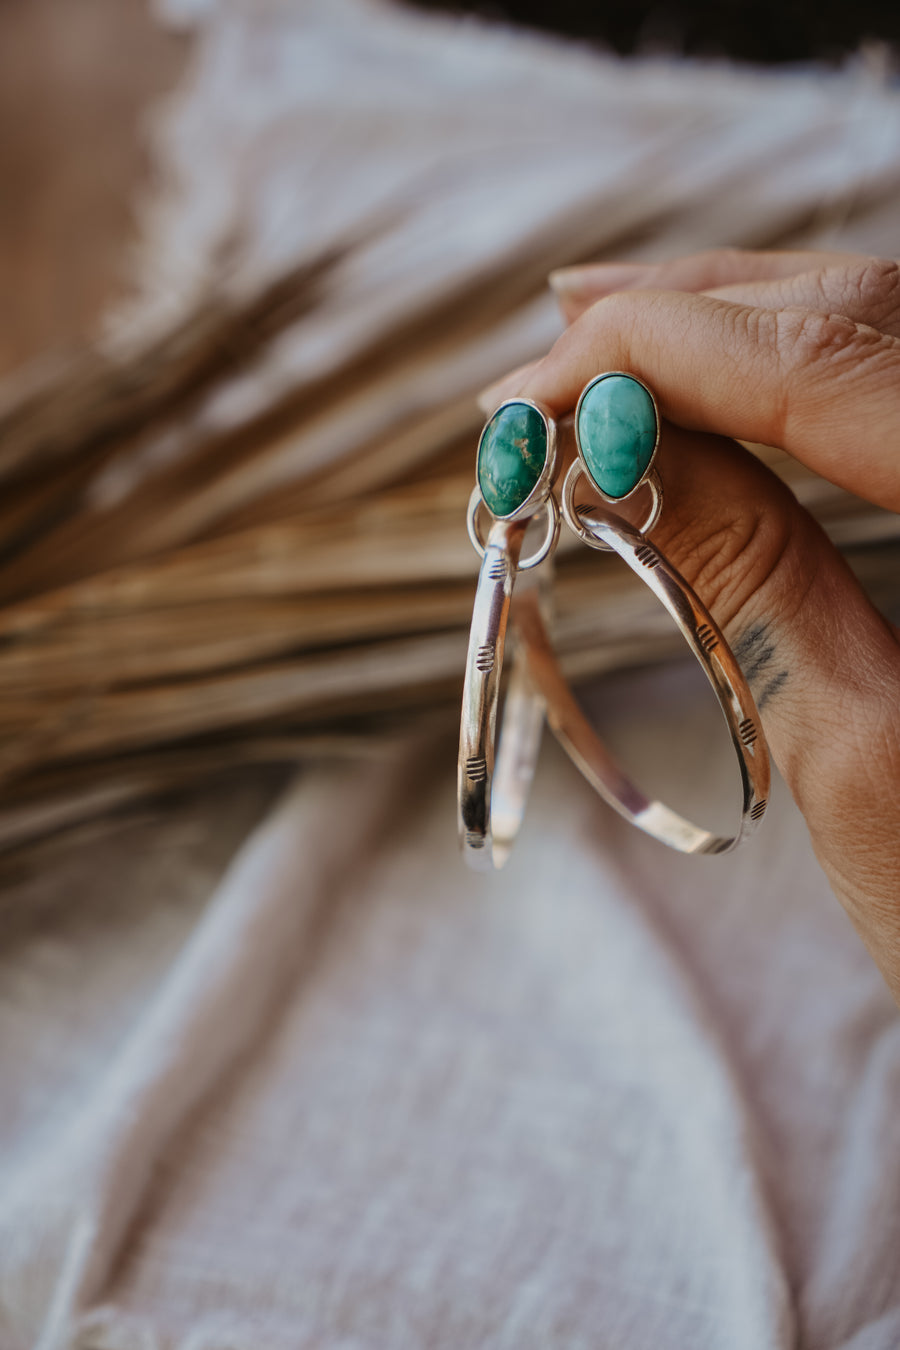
[[763, 33], [274, 1070], [257, 260]]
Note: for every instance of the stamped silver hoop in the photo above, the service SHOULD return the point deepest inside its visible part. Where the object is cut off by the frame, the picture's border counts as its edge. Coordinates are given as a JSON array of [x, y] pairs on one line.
[[706, 641], [497, 750], [579, 518], [547, 544]]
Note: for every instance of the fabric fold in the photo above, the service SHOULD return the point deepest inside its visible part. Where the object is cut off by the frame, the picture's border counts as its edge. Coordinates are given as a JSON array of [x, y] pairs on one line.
[[65, 1217]]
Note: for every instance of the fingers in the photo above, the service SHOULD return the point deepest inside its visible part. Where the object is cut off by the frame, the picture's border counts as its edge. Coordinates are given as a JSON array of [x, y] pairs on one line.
[[800, 351], [821, 386], [808, 640], [866, 290], [577, 288]]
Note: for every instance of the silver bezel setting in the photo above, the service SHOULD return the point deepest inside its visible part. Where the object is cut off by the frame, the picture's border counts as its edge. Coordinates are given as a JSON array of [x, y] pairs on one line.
[[598, 379], [707, 643], [541, 490]]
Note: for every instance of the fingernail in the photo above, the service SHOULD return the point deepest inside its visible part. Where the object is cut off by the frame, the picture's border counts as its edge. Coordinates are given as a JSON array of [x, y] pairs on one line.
[[592, 281], [507, 387]]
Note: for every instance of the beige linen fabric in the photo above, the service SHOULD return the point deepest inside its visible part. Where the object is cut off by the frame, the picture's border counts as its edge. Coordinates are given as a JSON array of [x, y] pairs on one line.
[[277, 1073], [609, 1097]]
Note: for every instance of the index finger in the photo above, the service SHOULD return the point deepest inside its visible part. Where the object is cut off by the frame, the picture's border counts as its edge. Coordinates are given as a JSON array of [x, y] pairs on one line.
[[821, 386]]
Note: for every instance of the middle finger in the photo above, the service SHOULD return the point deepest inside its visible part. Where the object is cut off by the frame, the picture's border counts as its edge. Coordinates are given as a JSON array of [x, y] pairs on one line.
[[866, 290]]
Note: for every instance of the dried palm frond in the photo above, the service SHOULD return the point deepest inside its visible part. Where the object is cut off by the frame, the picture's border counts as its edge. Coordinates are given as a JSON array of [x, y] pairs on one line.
[[235, 530]]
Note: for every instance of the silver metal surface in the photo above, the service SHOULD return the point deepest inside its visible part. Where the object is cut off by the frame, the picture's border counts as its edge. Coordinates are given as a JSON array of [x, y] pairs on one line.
[[598, 379], [495, 772], [573, 512], [493, 787], [705, 640], [551, 533]]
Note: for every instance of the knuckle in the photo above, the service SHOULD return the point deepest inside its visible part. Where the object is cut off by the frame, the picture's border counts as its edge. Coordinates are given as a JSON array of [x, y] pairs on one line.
[[818, 355], [748, 327], [809, 339], [872, 288], [614, 315]]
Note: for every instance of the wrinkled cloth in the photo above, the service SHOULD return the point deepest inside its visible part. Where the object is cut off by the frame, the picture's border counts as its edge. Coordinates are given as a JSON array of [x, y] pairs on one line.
[[610, 1096], [276, 1072]]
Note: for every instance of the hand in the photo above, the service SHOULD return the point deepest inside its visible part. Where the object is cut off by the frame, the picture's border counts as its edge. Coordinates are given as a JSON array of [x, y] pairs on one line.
[[799, 351]]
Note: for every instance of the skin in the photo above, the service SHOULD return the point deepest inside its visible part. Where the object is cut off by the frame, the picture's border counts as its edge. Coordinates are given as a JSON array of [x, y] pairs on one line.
[[799, 351]]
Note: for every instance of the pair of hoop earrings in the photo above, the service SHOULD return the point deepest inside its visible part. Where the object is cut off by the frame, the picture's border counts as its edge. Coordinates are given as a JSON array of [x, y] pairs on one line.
[[617, 435]]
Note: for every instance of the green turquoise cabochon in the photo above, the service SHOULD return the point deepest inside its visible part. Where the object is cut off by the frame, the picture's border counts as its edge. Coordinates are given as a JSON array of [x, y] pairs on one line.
[[511, 455], [617, 431]]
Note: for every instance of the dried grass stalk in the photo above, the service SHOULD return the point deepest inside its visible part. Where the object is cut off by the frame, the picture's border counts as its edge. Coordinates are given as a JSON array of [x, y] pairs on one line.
[[235, 531]]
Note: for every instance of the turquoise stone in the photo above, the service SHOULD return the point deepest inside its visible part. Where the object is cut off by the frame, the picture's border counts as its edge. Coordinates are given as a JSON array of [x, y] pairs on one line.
[[617, 433], [511, 456]]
